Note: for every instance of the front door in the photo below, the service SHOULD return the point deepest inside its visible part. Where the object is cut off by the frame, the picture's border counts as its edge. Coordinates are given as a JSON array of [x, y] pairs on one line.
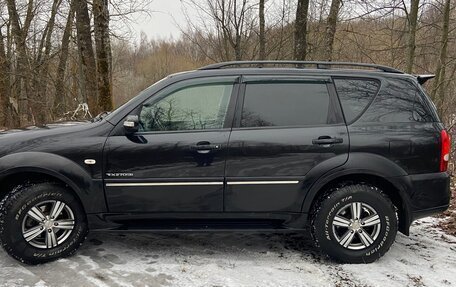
[[176, 162], [285, 127]]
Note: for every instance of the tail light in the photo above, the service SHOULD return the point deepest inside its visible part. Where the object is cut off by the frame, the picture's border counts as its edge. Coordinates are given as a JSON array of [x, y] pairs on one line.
[[445, 150]]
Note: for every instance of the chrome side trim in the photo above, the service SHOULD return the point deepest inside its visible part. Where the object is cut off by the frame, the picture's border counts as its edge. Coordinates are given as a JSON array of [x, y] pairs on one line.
[[263, 182], [163, 183]]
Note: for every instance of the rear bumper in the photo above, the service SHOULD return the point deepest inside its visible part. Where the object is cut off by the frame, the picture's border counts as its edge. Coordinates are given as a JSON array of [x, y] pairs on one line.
[[422, 195], [427, 212], [430, 194]]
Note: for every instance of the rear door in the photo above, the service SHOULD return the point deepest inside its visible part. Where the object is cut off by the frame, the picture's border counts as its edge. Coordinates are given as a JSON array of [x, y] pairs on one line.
[[284, 127]]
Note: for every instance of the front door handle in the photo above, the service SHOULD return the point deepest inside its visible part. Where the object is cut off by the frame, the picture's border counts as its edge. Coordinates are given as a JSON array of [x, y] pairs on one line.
[[327, 141], [205, 147]]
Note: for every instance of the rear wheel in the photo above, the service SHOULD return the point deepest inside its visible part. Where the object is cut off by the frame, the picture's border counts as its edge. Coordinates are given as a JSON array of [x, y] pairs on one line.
[[354, 223], [41, 222]]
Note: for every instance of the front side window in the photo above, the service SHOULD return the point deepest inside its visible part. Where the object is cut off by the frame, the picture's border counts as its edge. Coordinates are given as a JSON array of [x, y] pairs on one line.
[[285, 104], [196, 107]]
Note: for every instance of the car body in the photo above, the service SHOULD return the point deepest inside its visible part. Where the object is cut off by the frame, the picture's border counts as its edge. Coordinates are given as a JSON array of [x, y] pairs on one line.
[[241, 171]]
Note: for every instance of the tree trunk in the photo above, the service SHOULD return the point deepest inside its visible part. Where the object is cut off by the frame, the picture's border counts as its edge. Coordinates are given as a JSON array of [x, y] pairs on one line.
[[45, 43], [300, 43], [103, 54], [41, 112], [19, 36], [237, 48], [262, 32], [411, 46], [331, 29], [60, 105], [87, 57], [440, 74], [4, 85]]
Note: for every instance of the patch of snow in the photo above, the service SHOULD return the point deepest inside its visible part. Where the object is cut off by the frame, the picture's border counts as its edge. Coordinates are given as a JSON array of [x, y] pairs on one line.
[[426, 258]]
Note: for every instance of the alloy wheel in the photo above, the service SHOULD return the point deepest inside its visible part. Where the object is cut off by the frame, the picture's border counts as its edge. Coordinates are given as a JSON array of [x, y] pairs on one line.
[[356, 226], [48, 224]]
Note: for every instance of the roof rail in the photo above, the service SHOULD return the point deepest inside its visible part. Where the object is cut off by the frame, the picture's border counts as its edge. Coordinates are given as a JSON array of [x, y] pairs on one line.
[[299, 64]]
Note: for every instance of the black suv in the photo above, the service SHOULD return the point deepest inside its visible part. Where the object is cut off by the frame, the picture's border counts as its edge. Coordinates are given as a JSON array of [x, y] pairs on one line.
[[353, 151]]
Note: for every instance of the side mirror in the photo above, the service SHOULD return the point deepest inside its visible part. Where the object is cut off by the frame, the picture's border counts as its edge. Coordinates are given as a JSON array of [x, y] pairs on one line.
[[131, 124]]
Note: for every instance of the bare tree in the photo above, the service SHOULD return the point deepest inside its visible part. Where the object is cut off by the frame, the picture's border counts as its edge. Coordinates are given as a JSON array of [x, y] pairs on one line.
[[60, 105], [41, 112], [87, 57], [103, 54], [56, 55], [330, 32], [229, 31], [5, 111], [440, 74], [300, 41], [262, 31], [411, 43], [19, 35]]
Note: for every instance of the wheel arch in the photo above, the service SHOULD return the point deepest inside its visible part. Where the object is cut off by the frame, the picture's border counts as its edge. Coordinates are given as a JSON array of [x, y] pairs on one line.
[[392, 189], [40, 167], [15, 178]]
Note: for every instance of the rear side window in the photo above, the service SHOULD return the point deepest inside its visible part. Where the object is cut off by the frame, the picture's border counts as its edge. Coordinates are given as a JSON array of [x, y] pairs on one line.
[[355, 95], [285, 104], [398, 102]]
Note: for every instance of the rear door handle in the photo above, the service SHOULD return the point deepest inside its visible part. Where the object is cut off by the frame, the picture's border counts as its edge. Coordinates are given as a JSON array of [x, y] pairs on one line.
[[326, 140]]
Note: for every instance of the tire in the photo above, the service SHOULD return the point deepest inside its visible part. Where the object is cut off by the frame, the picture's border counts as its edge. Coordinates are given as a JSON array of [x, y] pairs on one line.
[[358, 240], [19, 220]]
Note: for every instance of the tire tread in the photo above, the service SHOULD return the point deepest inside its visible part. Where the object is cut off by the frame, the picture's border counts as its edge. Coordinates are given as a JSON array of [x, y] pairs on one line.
[[19, 194]]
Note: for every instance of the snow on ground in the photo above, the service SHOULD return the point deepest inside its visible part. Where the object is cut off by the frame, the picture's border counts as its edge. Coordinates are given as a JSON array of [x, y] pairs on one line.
[[426, 258]]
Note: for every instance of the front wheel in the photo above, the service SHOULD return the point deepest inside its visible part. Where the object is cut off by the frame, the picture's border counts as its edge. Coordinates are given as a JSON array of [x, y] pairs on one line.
[[354, 223], [41, 222]]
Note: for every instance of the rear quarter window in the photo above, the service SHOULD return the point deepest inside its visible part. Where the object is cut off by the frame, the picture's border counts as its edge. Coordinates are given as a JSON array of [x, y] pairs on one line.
[[399, 101], [355, 95]]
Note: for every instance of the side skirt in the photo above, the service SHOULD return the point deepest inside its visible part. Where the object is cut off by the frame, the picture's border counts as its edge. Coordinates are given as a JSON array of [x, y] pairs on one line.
[[195, 222]]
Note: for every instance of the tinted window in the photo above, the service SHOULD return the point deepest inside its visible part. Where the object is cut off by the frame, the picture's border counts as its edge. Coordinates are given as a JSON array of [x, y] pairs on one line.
[[399, 101], [355, 95], [285, 104], [197, 107]]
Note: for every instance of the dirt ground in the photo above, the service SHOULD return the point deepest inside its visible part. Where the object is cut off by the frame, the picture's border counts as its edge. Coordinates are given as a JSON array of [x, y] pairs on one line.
[[426, 258]]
